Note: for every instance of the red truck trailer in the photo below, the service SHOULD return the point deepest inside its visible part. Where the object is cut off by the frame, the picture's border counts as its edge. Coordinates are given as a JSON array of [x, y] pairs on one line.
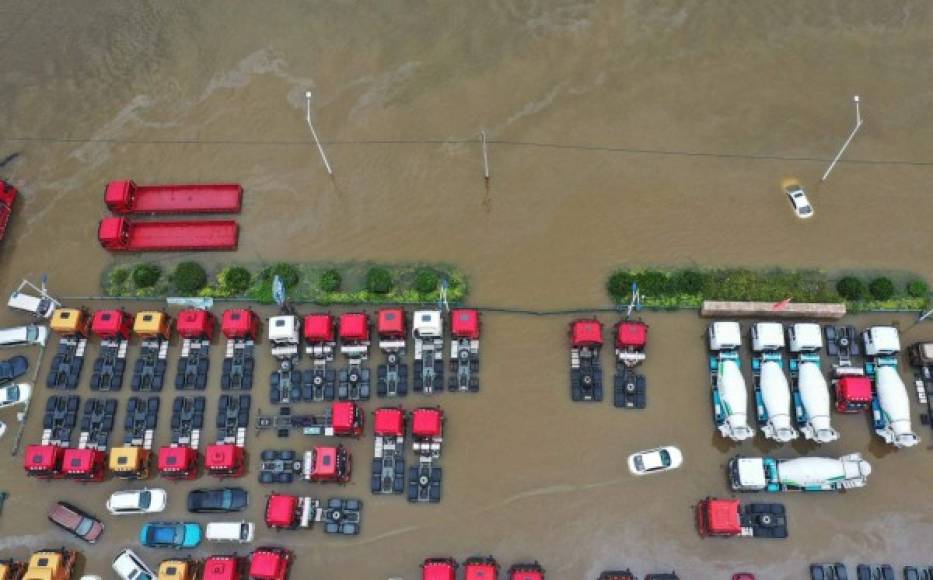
[[127, 198], [7, 197], [118, 234]]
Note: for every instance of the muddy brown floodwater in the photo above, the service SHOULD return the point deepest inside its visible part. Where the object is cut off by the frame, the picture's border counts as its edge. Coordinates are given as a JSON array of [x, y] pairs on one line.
[[633, 132]]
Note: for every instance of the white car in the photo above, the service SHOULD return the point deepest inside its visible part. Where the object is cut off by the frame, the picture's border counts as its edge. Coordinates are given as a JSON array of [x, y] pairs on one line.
[[129, 566], [23, 336], [137, 501], [40, 307], [15, 394], [240, 532], [798, 199], [655, 460], [2, 429]]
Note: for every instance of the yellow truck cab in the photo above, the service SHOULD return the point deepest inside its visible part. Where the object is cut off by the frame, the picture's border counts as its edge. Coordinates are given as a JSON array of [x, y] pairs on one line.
[[152, 324], [51, 565], [70, 322], [130, 462], [178, 570]]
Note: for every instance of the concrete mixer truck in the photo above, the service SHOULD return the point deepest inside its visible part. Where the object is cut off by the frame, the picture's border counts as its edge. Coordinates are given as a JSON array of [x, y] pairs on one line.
[[798, 474], [809, 390], [772, 391]]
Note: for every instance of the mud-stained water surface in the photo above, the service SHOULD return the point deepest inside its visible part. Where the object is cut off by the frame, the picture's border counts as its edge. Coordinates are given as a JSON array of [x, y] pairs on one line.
[[621, 132]]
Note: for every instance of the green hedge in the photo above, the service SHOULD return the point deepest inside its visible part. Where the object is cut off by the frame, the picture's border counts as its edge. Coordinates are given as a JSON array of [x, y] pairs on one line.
[[690, 287], [343, 283]]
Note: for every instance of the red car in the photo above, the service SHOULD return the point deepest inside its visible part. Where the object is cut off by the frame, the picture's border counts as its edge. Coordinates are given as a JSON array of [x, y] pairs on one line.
[[74, 520]]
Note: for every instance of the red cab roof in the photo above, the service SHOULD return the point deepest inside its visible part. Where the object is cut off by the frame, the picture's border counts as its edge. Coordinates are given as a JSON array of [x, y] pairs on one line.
[[111, 323], [343, 417], [723, 516], [391, 322], [464, 323], [239, 323], [389, 422], [176, 459], [222, 456], [439, 569], [526, 572], [354, 326], [319, 328], [485, 570], [195, 323], [42, 457], [631, 335], [427, 422], [221, 568], [281, 511], [267, 563], [855, 389], [110, 230], [80, 461], [325, 462], [586, 333]]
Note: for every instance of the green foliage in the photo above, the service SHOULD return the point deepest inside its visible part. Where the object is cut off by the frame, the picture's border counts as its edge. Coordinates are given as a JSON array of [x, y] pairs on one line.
[[881, 288], [189, 277], [620, 284], [119, 276], [851, 288], [688, 281], [330, 280], [917, 288], [426, 280], [235, 280], [146, 275], [287, 272], [379, 280]]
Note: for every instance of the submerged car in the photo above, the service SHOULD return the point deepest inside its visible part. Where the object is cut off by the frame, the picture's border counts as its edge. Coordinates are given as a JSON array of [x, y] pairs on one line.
[[175, 535], [137, 501], [217, 500], [76, 521], [655, 460], [13, 368], [798, 199], [129, 566], [15, 394], [23, 336]]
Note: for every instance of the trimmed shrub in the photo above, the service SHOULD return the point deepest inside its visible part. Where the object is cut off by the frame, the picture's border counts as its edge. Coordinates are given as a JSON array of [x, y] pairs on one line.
[[620, 284], [653, 282], [426, 280], [330, 281], [851, 288], [235, 279], [146, 275], [917, 288], [379, 280], [189, 277], [119, 276], [688, 281], [287, 272], [881, 288]]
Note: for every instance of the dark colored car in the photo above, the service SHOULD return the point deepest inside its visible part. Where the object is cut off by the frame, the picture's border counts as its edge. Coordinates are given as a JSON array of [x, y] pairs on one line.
[[218, 500], [76, 521], [13, 368]]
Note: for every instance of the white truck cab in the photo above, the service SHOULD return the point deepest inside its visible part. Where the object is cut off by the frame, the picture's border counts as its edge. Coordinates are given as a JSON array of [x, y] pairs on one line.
[[805, 337], [881, 341], [725, 335], [427, 325], [284, 335], [767, 336]]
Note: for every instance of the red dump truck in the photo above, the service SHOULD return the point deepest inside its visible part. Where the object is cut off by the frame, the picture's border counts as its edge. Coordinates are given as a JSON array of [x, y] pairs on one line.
[[127, 198], [7, 197], [118, 234]]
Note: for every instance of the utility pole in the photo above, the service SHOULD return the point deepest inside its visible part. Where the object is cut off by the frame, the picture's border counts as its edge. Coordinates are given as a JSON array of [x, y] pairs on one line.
[[317, 141], [482, 135], [858, 125]]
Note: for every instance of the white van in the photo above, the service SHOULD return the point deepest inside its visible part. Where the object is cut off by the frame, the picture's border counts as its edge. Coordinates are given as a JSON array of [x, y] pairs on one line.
[[240, 532], [23, 336]]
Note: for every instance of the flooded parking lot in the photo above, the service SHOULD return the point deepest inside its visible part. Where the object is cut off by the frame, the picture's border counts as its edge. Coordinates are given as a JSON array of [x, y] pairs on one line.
[[621, 133]]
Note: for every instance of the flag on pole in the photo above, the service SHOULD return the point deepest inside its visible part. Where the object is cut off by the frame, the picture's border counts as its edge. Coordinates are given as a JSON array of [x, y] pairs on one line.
[[782, 305], [636, 301], [278, 291]]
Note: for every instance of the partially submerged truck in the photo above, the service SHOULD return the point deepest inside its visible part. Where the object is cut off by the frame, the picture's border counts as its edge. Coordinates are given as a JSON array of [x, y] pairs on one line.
[[798, 474], [891, 406], [772, 391], [810, 392], [729, 393]]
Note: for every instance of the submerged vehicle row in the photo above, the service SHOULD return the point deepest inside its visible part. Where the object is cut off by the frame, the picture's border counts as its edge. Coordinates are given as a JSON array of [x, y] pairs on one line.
[[786, 409]]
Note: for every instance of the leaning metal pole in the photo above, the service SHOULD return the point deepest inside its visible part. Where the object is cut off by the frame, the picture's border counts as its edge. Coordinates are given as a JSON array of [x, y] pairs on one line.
[[858, 125], [317, 141]]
